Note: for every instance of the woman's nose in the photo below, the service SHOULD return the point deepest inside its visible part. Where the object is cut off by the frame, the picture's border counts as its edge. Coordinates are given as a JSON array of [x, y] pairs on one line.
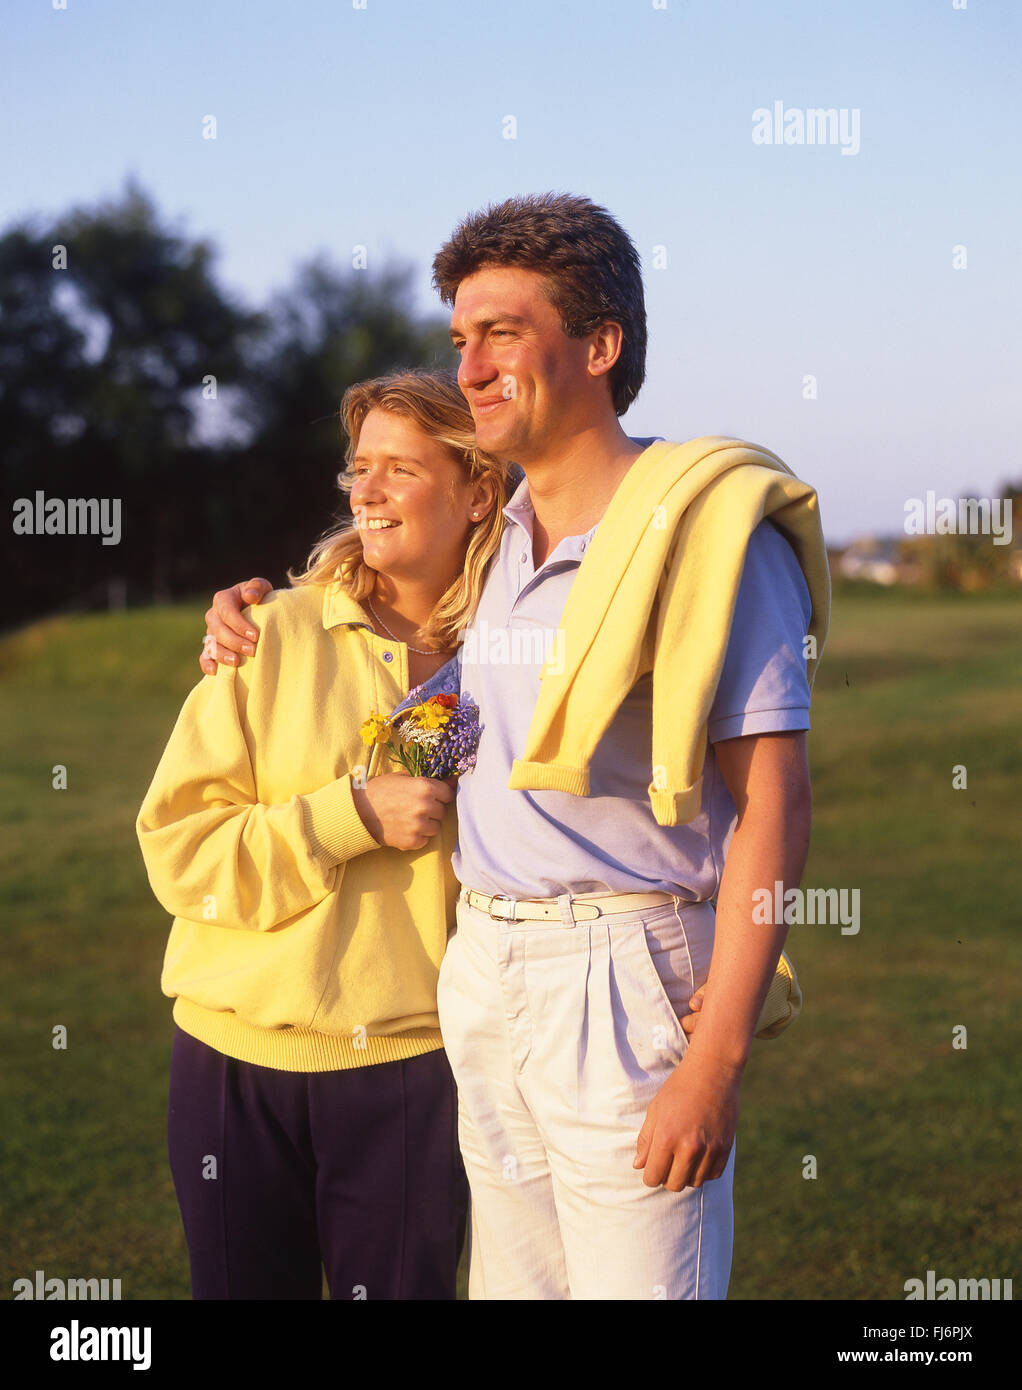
[[367, 488]]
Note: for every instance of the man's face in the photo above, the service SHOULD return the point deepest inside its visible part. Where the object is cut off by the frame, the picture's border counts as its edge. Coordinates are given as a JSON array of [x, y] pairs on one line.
[[525, 380]]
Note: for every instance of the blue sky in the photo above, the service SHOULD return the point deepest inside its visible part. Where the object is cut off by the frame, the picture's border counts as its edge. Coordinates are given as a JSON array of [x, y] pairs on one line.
[[381, 126]]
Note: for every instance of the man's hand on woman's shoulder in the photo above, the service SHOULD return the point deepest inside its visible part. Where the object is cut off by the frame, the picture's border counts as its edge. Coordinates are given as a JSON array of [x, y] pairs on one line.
[[229, 634]]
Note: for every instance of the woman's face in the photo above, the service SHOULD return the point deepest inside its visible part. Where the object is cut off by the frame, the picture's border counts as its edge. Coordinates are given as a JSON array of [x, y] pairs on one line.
[[412, 502]]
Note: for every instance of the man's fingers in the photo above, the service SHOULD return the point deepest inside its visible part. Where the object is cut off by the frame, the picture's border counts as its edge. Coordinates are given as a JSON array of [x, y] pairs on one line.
[[255, 590], [212, 654], [220, 643], [689, 1020], [680, 1175], [228, 605], [230, 639], [643, 1141], [707, 1167], [657, 1168]]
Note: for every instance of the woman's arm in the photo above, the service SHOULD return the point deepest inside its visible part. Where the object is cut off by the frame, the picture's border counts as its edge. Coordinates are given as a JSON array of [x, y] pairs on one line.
[[213, 851]]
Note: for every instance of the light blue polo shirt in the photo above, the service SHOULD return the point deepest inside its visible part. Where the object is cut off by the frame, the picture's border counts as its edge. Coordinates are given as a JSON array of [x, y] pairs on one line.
[[539, 844]]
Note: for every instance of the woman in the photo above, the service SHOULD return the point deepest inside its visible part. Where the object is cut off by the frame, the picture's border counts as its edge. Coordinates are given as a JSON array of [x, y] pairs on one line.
[[312, 1113]]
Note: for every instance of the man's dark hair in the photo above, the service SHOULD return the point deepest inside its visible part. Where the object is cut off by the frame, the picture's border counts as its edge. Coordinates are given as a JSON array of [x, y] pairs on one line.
[[591, 267]]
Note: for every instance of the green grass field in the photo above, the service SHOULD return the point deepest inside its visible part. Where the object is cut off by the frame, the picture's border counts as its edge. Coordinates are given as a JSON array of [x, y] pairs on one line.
[[914, 1140]]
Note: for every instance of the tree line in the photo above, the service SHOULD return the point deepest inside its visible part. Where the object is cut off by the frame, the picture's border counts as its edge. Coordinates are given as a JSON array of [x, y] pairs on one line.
[[128, 373]]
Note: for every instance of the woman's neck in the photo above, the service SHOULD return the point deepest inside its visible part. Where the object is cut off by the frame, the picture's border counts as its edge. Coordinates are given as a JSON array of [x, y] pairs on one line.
[[406, 599], [406, 605]]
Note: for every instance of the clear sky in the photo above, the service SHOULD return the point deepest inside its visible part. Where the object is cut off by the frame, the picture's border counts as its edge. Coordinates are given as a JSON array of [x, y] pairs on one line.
[[381, 126]]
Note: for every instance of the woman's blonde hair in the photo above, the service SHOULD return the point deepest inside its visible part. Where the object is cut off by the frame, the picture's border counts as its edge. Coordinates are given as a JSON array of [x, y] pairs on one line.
[[434, 402]]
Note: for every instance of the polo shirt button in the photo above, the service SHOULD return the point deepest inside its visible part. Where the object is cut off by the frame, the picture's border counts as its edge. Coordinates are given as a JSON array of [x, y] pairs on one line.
[[388, 656], [524, 557]]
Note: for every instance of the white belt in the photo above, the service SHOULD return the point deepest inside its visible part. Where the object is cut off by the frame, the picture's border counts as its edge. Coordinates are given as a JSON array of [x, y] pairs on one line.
[[585, 907]]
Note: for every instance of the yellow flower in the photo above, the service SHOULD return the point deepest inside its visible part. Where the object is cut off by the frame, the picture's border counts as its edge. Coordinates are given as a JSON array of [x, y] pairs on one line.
[[430, 716], [376, 729]]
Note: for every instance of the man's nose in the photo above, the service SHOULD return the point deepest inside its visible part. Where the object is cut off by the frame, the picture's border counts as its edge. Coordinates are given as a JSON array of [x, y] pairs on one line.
[[475, 369]]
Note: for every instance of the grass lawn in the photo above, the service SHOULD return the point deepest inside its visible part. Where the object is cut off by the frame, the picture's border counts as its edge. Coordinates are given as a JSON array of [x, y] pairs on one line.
[[916, 1160]]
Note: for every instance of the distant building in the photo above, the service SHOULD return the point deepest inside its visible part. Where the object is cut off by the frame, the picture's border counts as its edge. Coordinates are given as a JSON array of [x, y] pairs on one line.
[[979, 557], [873, 558]]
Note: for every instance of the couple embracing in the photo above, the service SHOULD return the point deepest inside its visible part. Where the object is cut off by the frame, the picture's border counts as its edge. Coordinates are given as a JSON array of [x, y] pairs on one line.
[[527, 992]]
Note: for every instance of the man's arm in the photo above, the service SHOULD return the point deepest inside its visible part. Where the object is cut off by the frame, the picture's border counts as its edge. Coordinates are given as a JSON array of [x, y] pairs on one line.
[[690, 1125], [229, 633]]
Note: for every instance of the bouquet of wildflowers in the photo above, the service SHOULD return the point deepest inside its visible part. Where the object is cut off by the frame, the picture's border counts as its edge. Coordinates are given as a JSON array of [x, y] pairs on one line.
[[437, 738]]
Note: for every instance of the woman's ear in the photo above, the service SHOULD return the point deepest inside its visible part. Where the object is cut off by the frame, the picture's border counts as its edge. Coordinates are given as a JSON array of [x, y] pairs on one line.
[[482, 498]]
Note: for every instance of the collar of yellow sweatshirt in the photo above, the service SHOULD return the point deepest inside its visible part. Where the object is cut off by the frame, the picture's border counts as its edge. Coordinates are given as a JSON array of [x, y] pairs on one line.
[[656, 591]]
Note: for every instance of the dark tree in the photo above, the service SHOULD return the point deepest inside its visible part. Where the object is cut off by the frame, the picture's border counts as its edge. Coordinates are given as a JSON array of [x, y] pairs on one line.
[[127, 373]]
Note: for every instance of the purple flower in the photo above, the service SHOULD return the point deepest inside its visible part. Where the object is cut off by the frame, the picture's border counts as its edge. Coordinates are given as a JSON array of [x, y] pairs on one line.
[[455, 753]]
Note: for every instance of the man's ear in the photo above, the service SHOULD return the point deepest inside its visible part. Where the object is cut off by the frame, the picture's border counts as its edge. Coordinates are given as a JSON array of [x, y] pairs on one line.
[[605, 347]]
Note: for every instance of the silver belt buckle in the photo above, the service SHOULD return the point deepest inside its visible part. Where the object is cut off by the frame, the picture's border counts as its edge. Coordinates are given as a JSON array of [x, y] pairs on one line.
[[506, 898]]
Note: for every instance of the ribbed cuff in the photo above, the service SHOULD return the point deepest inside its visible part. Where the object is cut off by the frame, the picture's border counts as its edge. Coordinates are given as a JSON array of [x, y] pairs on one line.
[[549, 777], [783, 1002], [299, 1049], [333, 825], [676, 808]]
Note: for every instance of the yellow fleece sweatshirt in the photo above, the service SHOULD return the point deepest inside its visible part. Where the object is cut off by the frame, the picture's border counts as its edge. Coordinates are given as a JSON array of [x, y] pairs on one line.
[[656, 592], [298, 943]]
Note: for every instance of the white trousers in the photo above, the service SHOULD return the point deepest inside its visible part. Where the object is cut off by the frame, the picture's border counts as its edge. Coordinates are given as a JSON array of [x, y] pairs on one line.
[[559, 1035]]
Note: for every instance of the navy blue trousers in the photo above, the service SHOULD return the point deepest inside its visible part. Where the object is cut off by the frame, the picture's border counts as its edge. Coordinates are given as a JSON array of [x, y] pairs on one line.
[[281, 1175]]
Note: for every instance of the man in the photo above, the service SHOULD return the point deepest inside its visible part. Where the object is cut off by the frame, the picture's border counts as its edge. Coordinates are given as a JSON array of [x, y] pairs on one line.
[[599, 1140]]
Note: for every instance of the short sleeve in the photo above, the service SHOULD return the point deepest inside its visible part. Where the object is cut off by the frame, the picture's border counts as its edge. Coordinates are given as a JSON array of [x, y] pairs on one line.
[[763, 687]]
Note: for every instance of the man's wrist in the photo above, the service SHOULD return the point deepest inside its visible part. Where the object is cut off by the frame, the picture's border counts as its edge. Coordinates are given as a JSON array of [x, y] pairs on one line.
[[725, 1062]]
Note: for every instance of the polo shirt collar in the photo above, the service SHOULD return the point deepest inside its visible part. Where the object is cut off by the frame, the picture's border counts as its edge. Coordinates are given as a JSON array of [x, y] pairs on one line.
[[520, 512]]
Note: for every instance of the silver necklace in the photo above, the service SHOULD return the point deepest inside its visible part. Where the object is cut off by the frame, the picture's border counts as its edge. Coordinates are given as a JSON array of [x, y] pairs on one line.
[[420, 651]]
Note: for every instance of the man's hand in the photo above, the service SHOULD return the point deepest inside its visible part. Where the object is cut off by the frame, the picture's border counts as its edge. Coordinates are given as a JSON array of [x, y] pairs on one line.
[[689, 1021], [689, 1127], [228, 633], [401, 811]]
